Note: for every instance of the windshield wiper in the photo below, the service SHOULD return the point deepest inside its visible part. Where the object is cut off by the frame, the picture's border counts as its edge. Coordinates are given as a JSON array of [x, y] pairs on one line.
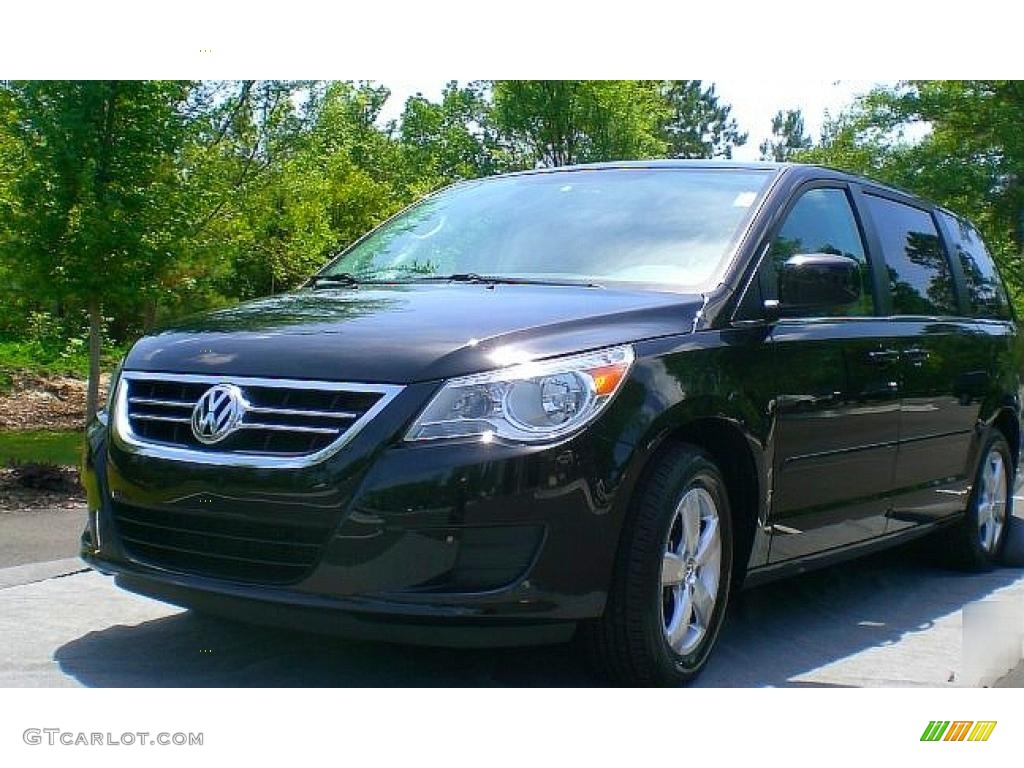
[[341, 278], [468, 277], [458, 277], [476, 278]]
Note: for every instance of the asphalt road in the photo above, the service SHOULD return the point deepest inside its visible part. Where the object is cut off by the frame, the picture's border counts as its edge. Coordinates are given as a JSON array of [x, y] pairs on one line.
[[892, 619], [38, 535]]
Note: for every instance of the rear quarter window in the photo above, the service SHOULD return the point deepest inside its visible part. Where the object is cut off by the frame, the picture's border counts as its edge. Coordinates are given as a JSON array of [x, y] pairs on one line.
[[986, 294]]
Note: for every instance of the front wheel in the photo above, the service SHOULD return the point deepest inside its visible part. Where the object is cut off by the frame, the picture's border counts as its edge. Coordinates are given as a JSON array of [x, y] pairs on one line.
[[671, 585]]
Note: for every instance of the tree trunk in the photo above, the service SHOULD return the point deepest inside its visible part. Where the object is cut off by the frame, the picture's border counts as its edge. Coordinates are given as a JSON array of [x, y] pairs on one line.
[[92, 395]]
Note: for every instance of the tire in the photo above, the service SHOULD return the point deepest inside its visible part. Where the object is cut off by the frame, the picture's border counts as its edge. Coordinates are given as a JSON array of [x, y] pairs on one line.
[[977, 542], [663, 575]]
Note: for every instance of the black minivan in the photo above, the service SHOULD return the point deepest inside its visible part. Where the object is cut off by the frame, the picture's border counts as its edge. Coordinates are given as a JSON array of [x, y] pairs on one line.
[[587, 400]]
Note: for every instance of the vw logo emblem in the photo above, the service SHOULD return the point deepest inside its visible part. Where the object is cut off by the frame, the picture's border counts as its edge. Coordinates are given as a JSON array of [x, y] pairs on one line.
[[218, 413]]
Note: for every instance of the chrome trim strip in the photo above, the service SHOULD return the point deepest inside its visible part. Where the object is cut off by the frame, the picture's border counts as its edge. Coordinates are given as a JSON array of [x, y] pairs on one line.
[[289, 428], [300, 412], [154, 417], [156, 401], [127, 441]]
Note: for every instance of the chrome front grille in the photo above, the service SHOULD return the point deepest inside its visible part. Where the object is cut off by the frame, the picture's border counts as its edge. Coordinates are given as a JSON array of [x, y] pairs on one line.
[[284, 422]]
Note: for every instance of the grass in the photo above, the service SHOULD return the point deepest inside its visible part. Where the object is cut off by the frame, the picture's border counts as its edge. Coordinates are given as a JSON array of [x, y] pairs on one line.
[[50, 358], [42, 357], [46, 446]]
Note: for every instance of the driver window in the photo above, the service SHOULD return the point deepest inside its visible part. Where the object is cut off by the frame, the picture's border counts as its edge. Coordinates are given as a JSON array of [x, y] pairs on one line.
[[822, 221]]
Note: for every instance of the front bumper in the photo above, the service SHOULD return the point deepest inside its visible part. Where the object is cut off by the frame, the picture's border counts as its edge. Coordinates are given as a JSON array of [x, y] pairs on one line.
[[355, 618], [448, 544]]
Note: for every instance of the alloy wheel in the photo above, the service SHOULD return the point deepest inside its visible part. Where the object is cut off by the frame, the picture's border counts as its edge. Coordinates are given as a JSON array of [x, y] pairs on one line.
[[992, 501], [690, 571]]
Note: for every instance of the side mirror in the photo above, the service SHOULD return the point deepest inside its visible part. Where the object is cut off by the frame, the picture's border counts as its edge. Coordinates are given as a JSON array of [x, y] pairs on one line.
[[812, 281]]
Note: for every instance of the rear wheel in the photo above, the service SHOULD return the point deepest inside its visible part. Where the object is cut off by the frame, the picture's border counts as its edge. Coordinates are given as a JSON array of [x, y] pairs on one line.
[[977, 542], [672, 579]]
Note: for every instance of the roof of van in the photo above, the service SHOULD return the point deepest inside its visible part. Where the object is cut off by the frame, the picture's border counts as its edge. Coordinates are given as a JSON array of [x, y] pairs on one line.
[[728, 164], [751, 165]]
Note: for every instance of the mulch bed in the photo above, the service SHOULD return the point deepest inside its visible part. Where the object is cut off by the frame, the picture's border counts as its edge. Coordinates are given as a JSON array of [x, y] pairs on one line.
[[45, 402], [34, 486], [36, 402]]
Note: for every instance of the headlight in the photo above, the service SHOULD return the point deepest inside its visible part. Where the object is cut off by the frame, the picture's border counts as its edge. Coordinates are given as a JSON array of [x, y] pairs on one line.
[[529, 402]]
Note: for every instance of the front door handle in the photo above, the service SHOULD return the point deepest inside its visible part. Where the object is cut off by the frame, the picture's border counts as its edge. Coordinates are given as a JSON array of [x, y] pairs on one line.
[[883, 356]]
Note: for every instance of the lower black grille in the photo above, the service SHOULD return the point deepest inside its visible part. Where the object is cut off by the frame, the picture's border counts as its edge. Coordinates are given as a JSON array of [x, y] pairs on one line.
[[223, 547]]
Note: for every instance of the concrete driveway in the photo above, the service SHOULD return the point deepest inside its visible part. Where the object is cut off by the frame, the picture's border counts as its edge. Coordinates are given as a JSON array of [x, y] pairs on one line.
[[39, 535], [892, 619]]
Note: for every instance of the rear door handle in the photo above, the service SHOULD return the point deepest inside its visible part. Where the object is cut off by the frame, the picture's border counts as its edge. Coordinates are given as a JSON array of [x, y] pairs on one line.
[[883, 356], [916, 355]]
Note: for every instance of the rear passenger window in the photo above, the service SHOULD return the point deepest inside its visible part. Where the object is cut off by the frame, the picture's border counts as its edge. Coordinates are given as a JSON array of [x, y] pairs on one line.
[[822, 221], [985, 291], [919, 274]]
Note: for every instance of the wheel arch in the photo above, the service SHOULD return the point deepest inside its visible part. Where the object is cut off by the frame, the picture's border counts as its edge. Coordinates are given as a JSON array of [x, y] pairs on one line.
[[738, 453], [1007, 421]]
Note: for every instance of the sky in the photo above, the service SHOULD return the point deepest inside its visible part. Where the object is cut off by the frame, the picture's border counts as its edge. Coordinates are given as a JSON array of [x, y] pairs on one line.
[[754, 102]]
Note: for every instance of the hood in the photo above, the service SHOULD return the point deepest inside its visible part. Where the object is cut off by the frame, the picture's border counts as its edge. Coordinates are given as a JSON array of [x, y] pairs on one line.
[[407, 333]]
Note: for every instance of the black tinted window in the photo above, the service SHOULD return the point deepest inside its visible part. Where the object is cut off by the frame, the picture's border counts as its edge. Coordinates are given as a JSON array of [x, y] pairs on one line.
[[919, 275], [985, 290], [822, 221]]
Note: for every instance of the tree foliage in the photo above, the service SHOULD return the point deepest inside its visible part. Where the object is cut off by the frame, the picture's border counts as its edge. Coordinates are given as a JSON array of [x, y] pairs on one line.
[[455, 138], [94, 213], [562, 122], [788, 137], [699, 124]]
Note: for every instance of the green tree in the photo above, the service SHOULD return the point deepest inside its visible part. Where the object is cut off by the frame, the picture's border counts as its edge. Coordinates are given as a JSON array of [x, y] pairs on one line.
[[307, 170], [454, 138], [11, 164], [92, 222], [788, 136], [241, 137], [698, 124], [561, 122]]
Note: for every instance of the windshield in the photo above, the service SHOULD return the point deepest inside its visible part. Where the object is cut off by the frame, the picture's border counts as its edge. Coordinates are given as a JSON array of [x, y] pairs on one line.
[[669, 226]]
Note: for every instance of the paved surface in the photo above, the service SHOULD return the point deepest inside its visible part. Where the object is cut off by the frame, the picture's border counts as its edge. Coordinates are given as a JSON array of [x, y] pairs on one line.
[[892, 619], [889, 620], [36, 535], [1013, 680]]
